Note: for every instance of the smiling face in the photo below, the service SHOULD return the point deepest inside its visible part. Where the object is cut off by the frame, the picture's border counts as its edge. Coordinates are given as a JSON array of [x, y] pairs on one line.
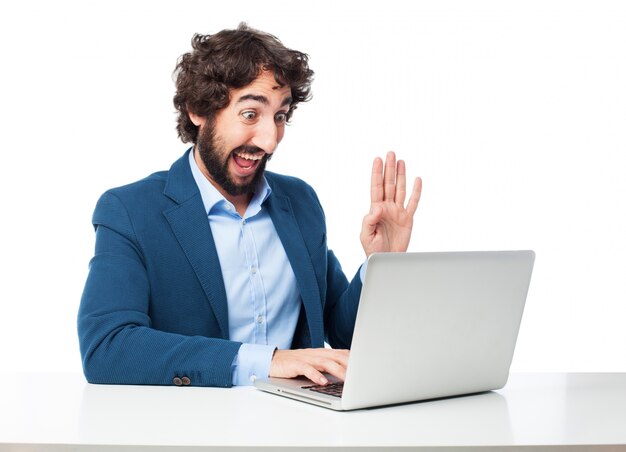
[[234, 147]]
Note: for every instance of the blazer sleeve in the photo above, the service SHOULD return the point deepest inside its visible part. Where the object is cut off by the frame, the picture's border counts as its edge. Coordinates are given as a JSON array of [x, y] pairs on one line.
[[342, 301], [117, 342]]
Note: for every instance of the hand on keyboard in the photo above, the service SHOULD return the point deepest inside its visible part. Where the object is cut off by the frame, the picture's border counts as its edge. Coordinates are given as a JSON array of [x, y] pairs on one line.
[[310, 362]]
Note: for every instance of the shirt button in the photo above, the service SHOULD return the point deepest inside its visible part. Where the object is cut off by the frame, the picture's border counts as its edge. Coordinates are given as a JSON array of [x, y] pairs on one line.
[[177, 381], [253, 270], [259, 319], [186, 381], [252, 378], [243, 222]]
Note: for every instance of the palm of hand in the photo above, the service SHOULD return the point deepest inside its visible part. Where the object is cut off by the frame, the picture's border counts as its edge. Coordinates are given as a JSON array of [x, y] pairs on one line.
[[392, 232]]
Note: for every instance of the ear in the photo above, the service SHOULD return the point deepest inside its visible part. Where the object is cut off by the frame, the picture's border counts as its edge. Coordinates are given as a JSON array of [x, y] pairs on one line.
[[197, 120]]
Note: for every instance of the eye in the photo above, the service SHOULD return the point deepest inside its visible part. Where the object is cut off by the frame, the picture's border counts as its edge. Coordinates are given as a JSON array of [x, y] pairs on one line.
[[249, 115], [280, 118]]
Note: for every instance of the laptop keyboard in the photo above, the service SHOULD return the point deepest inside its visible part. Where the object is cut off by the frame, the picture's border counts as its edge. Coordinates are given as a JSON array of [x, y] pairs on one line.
[[333, 389]]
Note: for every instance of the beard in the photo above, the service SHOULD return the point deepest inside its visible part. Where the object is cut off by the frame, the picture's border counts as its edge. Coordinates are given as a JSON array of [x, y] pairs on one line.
[[216, 161]]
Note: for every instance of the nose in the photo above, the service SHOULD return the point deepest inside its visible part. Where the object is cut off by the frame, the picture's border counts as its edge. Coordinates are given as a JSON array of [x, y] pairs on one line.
[[266, 136]]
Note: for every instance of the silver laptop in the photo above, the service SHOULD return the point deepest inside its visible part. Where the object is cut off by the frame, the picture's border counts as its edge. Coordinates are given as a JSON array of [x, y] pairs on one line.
[[429, 325]]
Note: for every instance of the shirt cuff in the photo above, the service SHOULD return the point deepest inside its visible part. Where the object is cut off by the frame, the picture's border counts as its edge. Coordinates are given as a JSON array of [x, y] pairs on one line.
[[252, 362], [362, 271]]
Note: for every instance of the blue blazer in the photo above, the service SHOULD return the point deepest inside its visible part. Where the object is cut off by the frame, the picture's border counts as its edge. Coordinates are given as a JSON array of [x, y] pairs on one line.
[[154, 306]]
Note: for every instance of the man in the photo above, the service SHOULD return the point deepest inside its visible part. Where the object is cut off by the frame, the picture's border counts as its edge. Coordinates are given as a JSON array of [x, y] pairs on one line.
[[216, 272]]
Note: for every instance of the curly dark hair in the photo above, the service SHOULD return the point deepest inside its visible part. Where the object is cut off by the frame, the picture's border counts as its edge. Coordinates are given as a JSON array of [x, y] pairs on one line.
[[232, 59]]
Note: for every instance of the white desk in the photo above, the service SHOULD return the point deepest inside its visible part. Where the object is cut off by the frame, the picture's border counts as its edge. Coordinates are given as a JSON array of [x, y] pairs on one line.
[[62, 412]]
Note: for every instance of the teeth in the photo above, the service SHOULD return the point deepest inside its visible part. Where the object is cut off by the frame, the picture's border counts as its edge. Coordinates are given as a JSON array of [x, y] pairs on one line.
[[258, 156]]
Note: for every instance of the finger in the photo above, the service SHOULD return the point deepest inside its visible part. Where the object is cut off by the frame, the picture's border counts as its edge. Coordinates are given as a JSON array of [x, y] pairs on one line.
[[340, 356], [390, 176], [313, 374], [415, 196], [334, 368], [331, 361], [377, 180], [401, 183]]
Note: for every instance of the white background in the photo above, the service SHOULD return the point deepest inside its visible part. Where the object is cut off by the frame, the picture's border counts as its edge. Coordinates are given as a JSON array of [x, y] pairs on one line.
[[513, 113]]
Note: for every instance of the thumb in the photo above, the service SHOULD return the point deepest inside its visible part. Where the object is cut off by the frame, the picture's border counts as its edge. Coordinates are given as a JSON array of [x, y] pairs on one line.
[[371, 219]]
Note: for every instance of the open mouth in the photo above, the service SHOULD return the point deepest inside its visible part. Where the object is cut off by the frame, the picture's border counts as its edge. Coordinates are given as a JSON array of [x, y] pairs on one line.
[[247, 163]]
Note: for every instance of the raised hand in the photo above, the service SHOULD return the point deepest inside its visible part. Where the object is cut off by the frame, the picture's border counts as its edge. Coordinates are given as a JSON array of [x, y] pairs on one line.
[[388, 225]]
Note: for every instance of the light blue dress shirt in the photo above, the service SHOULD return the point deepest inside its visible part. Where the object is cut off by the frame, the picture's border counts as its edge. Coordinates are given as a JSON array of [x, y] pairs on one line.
[[261, 290]]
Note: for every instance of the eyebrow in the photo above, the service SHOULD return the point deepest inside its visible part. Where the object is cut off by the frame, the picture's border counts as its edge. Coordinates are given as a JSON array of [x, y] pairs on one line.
[[262, 99]]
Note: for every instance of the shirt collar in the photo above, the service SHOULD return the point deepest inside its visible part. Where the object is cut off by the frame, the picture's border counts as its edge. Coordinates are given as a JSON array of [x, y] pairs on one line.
[[213, 199]]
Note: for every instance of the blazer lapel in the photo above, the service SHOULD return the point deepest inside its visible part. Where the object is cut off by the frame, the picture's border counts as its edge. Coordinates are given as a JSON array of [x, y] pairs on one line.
[[190, 225], [281, 212]]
